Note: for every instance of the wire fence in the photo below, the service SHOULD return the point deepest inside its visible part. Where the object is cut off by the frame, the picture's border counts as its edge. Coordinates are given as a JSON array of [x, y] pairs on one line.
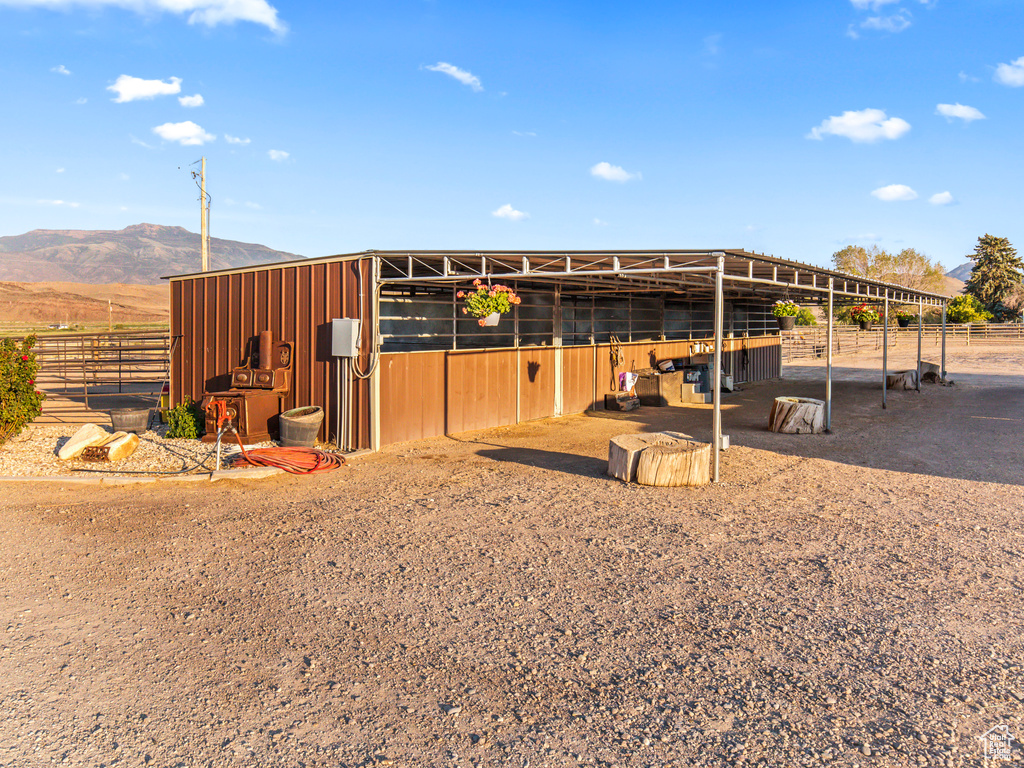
[[812, 341]]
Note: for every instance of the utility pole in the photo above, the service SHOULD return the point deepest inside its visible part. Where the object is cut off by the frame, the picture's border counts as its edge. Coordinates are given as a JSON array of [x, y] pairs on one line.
[[205, 213]]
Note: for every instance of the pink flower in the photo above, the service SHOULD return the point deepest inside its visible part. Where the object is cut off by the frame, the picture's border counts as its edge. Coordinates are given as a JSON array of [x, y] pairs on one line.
[[477, 282], [460, 294], [492, 294], [24, 358], [465, 311], [480, 321]]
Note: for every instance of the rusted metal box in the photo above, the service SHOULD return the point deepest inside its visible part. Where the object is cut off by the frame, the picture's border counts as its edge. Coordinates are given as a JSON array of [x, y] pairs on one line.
[[253, 413]]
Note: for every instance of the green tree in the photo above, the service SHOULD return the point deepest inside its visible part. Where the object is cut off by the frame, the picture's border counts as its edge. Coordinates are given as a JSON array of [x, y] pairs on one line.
[[908, 268], [966, 309], [805, 317], [998, 273]]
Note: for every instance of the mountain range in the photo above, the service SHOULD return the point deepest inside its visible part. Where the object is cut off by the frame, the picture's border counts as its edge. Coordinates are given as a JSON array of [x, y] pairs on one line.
[[139, 254]]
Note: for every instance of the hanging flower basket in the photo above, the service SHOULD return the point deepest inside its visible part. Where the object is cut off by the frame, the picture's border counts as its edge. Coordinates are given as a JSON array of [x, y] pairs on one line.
[[488, 302], [864, 315]]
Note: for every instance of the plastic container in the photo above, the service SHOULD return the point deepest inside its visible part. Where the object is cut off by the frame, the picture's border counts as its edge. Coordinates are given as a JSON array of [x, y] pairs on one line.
[[130, 419], [299, 426]]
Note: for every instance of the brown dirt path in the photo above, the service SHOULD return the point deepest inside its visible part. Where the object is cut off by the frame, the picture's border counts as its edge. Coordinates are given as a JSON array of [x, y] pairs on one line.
[[496, 600]]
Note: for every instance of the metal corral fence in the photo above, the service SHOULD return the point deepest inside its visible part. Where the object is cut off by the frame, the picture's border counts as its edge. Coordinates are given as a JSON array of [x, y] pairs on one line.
[[103, 365], [812, 341]]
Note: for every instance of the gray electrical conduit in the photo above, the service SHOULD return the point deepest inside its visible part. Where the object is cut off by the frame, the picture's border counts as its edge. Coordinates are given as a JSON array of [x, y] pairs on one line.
[[375, 354]]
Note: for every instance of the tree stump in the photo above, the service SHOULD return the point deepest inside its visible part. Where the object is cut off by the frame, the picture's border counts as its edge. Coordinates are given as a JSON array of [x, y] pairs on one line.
[[684, 462], [929, 372], [797, 415], [901, 380], [674, 459]]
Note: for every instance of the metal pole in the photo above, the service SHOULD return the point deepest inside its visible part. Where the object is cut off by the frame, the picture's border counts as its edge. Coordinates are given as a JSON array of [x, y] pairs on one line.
[[716, 374], [337, 407], [944, 341], [828, 364], [920, 325], [204, 224], [885, 345]]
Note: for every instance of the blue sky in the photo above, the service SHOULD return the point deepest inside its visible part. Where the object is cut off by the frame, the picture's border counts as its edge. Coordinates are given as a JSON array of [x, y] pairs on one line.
[[791, 128]]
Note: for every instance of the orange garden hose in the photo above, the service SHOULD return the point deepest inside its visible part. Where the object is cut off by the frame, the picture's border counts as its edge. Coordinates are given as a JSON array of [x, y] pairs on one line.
[[297, 461]]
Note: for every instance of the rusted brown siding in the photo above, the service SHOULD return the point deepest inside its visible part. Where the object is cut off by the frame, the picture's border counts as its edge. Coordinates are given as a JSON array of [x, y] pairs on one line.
[[215, 316]]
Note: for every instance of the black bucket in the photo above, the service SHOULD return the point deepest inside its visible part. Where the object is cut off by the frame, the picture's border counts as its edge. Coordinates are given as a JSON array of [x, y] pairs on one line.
[[299, 426], [129, 419]]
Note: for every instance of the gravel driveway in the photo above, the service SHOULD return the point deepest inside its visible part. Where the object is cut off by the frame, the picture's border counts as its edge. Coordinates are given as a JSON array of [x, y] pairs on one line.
[[495, 600]]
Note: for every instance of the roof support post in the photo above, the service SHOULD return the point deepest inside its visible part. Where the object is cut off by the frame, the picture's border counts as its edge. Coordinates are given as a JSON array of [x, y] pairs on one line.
[[828, 363], [920, 331], [944, 340], [885, 345], [716, 374]]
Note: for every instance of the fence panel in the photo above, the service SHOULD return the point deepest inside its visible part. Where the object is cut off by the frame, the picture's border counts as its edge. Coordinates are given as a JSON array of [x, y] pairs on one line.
[[812, 341]]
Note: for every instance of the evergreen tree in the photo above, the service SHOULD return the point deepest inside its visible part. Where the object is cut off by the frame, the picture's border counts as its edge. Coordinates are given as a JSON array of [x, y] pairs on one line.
[[998, 272]]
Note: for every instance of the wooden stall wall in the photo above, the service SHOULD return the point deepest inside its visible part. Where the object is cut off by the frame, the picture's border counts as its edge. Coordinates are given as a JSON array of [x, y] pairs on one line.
[[428, 394], [214, 319]]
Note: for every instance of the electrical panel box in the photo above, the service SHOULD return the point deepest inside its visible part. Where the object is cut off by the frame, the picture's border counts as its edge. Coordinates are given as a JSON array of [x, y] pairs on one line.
[[345, 338]]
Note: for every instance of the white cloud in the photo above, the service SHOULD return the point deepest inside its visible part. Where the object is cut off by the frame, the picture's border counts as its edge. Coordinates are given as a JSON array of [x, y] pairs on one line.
[[464, 77], [60, 69], [254, 206], [613, 172], [82, 100], [278, 155], [895, 23], [130, 88], [866, 126], [187, 134], [528, 134], [873, 5], [967, 114], [600, 223], [1011, 74], [58, 202], [139, 141], [965, 78], [508, 212], [191, 101], [60, 170], [941, 198], [123, 176], [208, 12], [235, 140], [895, 192]]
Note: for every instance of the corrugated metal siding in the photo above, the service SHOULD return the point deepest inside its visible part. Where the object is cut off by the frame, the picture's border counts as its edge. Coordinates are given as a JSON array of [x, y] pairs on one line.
[[216, 316], [412, 396], [481, 389], [536, 383], [427, 394], [577, 379]]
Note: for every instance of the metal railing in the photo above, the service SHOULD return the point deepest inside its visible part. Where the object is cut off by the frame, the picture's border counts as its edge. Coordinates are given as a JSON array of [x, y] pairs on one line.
[[103, 365], [812, 341]]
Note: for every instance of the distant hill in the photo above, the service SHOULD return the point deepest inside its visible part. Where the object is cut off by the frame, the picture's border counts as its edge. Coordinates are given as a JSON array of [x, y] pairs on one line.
[[139, 254], [962, 273], [42, 303]]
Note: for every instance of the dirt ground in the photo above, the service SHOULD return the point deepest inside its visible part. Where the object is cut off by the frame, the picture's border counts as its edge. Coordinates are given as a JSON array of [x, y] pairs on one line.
[[494, 599]]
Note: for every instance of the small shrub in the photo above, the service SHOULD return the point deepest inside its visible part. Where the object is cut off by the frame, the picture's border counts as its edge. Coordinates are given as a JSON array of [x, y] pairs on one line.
[[20, 401], [186, 420], [805, 317], [966, 309]]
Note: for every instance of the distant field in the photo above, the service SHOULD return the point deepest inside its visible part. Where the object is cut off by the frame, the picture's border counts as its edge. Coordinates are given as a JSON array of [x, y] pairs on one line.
[[36, 306]]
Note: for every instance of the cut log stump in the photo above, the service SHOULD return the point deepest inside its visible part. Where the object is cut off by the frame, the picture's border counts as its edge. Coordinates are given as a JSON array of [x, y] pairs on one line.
[[797, 415], [929, 372], [674, 459], [901, 380]]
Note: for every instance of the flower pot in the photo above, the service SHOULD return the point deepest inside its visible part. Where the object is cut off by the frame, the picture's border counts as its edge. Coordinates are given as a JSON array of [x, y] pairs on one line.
[[865, 325], [491, 319], [129, 419], [786, 322], [903, 321], [299, 426]]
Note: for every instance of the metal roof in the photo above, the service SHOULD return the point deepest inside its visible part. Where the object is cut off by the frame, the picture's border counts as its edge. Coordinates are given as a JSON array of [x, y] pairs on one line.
[[692, 272]]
